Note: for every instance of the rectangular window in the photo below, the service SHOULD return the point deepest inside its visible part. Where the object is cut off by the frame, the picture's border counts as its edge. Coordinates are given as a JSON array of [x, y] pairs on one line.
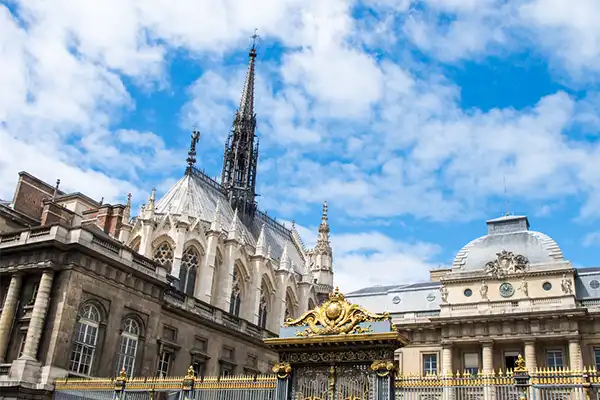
[[471, 363], [33, 294], [510, 360], [597, 358], [554, 359], [199, 367], [164, 362], [226, 370], [227, 353], [22, 343], [430, 364], [200, 343], [169, 333]]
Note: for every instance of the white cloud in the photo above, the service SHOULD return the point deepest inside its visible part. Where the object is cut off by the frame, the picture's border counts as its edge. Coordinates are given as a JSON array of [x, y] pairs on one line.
[[591, 239], [372, 258]]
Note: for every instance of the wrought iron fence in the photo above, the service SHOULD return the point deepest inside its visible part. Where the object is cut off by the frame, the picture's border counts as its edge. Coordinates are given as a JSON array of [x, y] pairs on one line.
[[544, 384], [261, 387]]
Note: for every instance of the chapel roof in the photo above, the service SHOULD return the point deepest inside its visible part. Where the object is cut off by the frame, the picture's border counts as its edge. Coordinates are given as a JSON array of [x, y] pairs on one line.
[[198, 194]]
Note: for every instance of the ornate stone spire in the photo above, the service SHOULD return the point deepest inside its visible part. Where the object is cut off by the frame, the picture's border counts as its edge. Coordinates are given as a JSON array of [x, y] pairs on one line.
[[285, 262], [234, 231], [215, 225], [151, 200], [261, 242], [127, 210], [323, 246], [240, 159], [191, 159]]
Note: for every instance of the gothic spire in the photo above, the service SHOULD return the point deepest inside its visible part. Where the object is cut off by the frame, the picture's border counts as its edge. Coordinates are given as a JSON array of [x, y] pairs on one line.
[[323, 246], [240, 158]]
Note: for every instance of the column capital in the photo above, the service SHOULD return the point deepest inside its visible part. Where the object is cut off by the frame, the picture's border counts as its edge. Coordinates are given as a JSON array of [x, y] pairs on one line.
[[529, 342], [574, 339], [487, 343]]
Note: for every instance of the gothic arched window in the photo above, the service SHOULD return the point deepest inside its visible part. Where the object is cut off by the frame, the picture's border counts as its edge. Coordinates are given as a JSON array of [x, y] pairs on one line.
[[262, 307], [289, 311], [163, 255], [311, 304], [86, 338], [188, 270], [236, 294], [128, 347]]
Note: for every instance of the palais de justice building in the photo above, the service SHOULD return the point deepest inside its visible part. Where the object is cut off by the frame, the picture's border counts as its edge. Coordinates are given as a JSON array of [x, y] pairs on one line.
[[507, 293], [199, 277]]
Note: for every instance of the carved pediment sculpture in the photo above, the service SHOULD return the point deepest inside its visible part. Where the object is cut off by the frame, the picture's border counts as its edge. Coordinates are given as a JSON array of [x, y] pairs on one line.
[[336, 316], [506, 262]]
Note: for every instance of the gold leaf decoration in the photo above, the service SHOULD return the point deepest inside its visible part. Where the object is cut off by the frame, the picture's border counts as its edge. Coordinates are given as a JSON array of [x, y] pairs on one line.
[[336, 316]]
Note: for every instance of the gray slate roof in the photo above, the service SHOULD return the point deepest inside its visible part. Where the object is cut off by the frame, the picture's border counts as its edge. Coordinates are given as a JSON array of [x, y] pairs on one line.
[[198, 194]]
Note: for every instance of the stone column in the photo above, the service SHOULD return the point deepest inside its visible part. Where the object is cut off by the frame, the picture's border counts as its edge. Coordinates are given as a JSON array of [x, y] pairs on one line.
[[487, 357], [448, 392], [447, 360], [530, 357], [38, 316], [575, 355], [8, 313]]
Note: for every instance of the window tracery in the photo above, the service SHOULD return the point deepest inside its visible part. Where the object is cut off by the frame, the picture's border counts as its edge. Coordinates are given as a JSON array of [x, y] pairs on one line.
[[236, 293], [164, 255], [262, 307], [128, 347], [188, 270], [86, 339]]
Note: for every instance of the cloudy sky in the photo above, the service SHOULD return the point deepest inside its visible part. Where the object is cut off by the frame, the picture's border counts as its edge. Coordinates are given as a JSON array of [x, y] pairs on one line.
[[416, 120]]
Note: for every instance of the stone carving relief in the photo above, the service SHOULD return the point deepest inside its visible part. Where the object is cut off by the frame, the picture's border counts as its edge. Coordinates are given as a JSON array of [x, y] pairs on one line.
[[506, 262], [524, 287], [483, 290], [444, 294], [566, 285]]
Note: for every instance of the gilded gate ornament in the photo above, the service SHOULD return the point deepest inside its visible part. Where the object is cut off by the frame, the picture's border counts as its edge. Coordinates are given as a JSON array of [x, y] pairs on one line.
[[383, 367], [336, 316], [520, 364], [282, 370]]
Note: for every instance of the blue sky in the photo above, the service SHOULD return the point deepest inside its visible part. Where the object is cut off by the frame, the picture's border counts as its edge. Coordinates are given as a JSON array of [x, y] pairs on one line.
[[406, 116]]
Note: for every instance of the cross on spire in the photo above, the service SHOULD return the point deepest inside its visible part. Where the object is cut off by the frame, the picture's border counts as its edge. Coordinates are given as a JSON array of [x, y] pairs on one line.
[[254, 37]]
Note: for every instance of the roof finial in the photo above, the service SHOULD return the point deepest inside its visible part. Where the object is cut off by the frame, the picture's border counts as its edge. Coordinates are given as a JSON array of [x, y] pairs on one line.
[[324, 216], [191, 159], [56, 189]]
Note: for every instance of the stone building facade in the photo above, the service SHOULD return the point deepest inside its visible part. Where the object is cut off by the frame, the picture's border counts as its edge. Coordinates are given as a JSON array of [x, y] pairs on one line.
[[199, 277], [509, 292]]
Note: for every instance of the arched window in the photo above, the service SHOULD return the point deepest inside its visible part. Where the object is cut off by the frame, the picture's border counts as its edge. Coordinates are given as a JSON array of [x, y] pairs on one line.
[[236, 294], [135, 244], [130, 338], [311, 304], [164, 255], [86, 338], [188, 270], [262, 307], [289, 310]]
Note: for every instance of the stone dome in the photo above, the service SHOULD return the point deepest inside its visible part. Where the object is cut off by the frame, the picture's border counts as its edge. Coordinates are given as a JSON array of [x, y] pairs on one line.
[[510, 233]]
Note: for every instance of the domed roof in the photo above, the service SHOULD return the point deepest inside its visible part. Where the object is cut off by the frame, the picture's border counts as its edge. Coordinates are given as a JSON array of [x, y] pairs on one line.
[[510, 233]]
